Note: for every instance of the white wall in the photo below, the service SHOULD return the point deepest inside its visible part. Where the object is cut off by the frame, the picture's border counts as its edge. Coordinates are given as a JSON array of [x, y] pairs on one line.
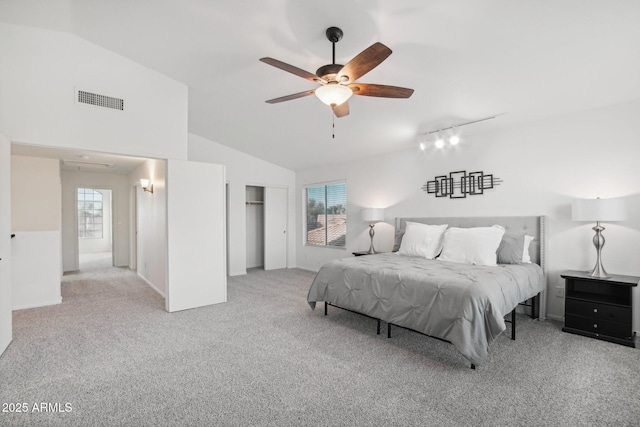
[[39, 72], [36, 269], [544, 165], [196, 238], [35, 212], [152, 224], [35, 194], [119, 186], [242, 170]]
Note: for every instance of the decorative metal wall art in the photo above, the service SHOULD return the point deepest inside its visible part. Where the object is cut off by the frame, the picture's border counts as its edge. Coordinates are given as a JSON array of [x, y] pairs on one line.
[[460, 183]]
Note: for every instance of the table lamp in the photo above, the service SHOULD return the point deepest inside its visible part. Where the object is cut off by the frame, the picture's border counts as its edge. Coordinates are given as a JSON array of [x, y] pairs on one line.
[[605, 210], [372, 215]]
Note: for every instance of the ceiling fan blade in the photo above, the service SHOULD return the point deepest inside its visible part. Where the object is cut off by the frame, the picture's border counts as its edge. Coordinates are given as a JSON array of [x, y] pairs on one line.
[[293, 70], [382, 91], [342, 109], [290, 97], [364, 62]]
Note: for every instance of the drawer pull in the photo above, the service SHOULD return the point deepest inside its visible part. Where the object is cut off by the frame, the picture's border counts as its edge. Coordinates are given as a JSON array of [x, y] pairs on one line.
[[595, 326], [595, 310]]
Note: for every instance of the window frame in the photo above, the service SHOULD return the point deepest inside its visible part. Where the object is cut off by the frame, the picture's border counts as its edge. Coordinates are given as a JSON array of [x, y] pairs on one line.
[[305, 197], [82, 233]]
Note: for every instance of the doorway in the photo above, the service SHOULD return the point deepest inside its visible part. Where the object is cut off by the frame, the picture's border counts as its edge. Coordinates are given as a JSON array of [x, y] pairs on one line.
[[94, 227], [266, 227], [255, 226]]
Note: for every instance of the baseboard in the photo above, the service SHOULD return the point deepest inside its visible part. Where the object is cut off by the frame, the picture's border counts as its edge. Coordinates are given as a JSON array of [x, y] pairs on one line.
[[151, 285], [556, 318], [40, 304]]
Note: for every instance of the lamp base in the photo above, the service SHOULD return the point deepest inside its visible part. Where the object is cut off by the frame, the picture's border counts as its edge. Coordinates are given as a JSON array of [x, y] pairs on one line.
[[598, 271], [371, 233]]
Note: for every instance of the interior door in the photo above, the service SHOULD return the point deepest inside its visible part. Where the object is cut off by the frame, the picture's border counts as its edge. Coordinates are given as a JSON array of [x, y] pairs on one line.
[[5, 244], [275, 228], [196, 238]]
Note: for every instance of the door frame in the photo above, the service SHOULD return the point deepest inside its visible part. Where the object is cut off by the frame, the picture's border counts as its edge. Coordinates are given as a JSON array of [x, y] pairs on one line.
[[6, 283], [76, 243]]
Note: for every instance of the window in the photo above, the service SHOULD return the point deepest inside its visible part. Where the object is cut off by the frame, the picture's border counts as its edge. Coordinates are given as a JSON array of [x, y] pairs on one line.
[[89, 213], [327, 215]]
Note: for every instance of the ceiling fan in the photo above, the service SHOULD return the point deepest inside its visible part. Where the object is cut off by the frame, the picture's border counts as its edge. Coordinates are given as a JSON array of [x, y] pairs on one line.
[[337, 82]]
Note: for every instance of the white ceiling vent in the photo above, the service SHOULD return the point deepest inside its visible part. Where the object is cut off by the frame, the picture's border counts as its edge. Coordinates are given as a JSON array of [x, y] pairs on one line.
[[99, 100]]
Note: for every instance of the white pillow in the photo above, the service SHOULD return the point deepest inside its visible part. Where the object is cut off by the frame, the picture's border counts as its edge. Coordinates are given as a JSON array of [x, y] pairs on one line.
[[422, 240], [475, 245], [526, 258]]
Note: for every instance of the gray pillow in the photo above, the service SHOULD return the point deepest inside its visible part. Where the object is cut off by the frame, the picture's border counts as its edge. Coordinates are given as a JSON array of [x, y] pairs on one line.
[[511, 249], [397, 241]]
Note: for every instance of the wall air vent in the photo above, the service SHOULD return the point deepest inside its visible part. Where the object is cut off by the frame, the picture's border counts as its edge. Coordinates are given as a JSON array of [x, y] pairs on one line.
[[100, 100]]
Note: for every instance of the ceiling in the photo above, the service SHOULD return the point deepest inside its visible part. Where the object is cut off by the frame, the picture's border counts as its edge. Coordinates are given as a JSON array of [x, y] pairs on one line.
[[466, 59]]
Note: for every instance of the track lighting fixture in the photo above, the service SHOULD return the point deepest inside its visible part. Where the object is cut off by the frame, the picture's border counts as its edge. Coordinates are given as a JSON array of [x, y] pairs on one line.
[[453, 137], [439, 142]]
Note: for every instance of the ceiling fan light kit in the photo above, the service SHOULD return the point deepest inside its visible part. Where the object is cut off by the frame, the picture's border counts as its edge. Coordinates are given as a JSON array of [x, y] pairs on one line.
[[333, 94], [337, 82]]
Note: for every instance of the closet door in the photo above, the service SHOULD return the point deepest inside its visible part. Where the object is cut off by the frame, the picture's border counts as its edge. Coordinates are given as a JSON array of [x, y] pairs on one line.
[[5, 243], [275, 228]]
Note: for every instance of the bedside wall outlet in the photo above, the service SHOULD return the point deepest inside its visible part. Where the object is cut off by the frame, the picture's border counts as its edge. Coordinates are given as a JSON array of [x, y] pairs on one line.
[[559, 292]]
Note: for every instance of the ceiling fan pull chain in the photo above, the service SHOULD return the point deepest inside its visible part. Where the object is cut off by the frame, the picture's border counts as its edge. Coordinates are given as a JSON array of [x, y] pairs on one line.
[[333, 125]]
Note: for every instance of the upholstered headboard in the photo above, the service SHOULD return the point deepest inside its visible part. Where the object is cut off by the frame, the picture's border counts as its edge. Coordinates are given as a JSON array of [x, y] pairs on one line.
[[514, 225]]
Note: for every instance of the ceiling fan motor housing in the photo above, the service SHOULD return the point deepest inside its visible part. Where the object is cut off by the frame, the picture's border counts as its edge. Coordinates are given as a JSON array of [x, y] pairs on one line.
[[328, 72]]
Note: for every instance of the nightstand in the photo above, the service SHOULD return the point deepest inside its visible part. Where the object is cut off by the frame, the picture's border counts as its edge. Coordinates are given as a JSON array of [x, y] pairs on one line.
[[600, 308]]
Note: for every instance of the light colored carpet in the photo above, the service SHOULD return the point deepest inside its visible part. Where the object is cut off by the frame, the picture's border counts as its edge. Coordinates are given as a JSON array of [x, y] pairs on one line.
[[92, 261], [266, 359]]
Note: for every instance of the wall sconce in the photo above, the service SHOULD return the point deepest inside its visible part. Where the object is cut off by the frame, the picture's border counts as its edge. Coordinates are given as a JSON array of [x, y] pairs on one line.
[[146, 185]]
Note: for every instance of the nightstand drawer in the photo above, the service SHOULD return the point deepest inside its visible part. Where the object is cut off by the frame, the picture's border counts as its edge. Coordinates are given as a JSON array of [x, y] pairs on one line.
[[598, 326], [598, 310]]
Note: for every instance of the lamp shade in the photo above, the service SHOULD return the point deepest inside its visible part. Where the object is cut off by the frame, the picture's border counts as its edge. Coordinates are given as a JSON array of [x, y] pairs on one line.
[[333, 94], [607, 210], [372, 214]]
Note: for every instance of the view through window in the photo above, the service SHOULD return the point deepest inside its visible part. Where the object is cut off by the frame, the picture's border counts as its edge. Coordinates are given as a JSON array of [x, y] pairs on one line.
[[89, 213], [327, 215]]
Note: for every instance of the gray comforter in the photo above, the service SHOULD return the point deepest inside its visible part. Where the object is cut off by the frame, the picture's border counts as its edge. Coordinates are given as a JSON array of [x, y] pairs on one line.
[[460, 303]]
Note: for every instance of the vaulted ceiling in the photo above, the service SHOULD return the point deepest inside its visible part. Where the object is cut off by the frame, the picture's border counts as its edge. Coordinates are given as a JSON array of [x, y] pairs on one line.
[[466, 59]]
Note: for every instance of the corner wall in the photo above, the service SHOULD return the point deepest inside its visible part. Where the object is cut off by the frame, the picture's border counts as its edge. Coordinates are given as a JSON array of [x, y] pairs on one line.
[[544, 165], [151, 256], [242, 170], [35, 213]]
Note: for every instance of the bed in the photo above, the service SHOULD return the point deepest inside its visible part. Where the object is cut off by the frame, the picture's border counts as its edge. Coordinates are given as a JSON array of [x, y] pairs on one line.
[[461, 303]]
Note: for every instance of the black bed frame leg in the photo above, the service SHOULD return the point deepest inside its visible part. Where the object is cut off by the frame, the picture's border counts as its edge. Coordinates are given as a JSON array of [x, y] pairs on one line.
[[473, 366], [513, 324], [325, 308], [378, 331], [534, 314], [388, 330]]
